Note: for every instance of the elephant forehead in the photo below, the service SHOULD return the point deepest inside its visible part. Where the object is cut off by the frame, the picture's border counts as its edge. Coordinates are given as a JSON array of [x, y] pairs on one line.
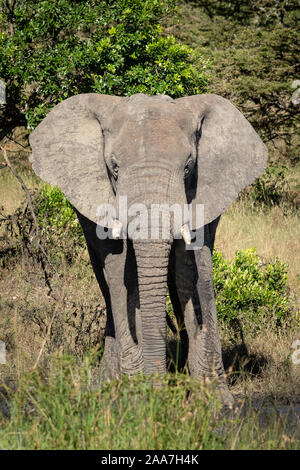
[[163, 113], [150, 136], [150, 111]]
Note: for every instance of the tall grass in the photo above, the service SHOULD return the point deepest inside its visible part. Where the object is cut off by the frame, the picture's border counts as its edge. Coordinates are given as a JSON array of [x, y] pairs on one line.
[[273, 233], [65, 411]]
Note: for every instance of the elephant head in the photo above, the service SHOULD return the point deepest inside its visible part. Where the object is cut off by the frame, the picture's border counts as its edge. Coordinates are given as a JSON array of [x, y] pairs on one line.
[[154, 150]]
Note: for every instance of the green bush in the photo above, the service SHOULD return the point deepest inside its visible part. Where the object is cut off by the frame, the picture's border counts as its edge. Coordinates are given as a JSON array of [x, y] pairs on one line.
[[60, 229], [55, 213], [249, 290], [50, 50], [271, 188]]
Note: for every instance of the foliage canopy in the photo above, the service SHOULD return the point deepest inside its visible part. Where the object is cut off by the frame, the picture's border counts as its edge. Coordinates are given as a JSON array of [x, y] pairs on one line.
[[52, 49], [253, 49]]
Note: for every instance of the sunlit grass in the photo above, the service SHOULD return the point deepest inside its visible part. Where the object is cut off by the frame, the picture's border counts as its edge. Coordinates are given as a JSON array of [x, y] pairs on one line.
[[272, 233], [64, 411]]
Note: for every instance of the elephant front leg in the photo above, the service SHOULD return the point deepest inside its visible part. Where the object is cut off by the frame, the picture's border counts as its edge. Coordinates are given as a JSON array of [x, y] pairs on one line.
[[120, 273], [195, 287], [116, 275], [110, 364], [127, 329]]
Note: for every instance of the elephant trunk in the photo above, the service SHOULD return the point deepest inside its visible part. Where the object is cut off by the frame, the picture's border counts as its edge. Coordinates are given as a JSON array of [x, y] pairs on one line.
[[152, 184], [152, 267]]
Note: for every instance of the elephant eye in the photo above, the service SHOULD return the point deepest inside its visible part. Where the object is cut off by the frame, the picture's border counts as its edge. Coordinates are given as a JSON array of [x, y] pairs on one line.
[[114, 168], [188, 167]]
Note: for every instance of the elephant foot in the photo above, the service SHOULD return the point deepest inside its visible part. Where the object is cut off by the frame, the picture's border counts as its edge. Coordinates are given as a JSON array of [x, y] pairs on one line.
[[225, 396], [114, 364], [109, 365], [220, 387], [221, 390]]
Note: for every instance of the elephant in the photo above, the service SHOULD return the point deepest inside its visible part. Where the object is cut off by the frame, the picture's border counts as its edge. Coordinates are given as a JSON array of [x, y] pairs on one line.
[[195, 150]]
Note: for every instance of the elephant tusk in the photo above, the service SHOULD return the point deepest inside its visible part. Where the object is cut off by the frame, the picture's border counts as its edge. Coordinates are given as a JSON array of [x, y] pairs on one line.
[[186, 234], [116, 229]]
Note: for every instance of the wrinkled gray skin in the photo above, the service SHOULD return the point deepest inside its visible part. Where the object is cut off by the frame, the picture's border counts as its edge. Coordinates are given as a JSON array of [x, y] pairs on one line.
[[197, 149]]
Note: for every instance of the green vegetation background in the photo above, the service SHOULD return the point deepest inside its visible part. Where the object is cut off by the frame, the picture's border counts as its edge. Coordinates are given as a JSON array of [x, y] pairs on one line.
[[246, 51]]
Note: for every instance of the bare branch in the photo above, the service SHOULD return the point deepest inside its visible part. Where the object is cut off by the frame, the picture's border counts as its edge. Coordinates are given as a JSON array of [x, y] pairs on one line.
[[47, 335], [30, 205]]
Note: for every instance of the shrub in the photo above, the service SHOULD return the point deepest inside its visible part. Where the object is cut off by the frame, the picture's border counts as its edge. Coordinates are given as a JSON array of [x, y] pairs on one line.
[[271, 188], [60, 228], [249, 290], [56, 214], [60, 231]]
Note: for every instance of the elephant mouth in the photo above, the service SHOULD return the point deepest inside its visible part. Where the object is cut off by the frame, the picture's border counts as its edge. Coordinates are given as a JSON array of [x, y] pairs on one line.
[[118, 230]]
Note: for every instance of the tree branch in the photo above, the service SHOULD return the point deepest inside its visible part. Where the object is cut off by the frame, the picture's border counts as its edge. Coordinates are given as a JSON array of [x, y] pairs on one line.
[[30, 204]]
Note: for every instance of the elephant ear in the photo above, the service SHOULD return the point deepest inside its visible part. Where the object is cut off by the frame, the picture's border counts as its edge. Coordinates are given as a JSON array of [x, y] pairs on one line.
[[230, 154], [68, 151]]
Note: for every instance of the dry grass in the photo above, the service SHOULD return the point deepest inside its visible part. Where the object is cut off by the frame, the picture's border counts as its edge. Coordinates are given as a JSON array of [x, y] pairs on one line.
[[27, 310], [260, 366], [273, 234], [11, 192], [263, 368]]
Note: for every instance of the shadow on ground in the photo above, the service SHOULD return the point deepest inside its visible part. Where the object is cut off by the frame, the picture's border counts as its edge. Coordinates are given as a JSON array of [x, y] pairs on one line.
[[238, 361], [236, 358]]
